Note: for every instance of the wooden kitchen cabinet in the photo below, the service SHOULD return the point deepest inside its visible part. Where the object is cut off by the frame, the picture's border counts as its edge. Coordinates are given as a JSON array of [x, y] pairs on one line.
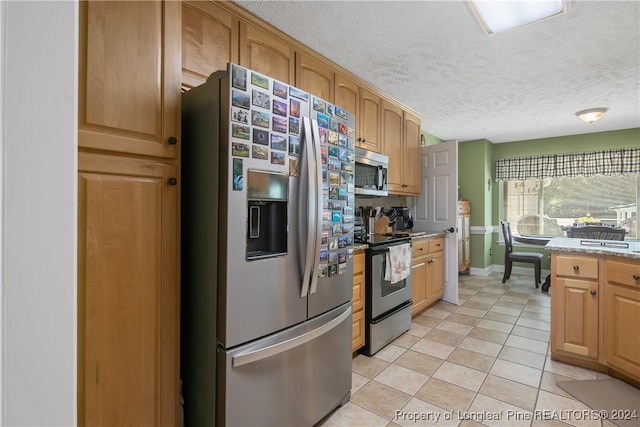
[[315, 77], [128, 196], [411, 154], [369, 133], [129, 77], [128, 294], [357, 338], [575, 307], [464, 235], [595, 312], [622, 316], [347, 96], [401, 142], [266, 53], [210, 37], [427, 273], [392, 137]]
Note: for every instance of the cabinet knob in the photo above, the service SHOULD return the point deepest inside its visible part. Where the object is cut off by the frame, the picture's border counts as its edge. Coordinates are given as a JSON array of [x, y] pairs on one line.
[[172, 140], [636, 277], [576, 267], [172, 181], [593, 292]]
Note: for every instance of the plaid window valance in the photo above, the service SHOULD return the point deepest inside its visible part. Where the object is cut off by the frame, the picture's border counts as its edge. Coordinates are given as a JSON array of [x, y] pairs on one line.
[[606, 162]]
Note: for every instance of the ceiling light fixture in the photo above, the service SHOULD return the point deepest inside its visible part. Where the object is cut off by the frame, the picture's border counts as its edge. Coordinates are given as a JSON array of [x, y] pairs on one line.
[[499, 16], [592, 114]]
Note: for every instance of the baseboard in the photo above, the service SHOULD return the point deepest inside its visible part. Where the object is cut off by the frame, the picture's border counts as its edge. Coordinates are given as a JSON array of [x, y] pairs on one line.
[[526, 271]]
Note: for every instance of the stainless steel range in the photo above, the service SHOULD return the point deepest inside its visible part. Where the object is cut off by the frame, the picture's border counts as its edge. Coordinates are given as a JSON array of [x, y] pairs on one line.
[[387, 304]]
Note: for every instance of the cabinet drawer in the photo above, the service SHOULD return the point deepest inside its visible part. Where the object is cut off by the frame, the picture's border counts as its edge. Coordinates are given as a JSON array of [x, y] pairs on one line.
[[420, 247], [574, 266], [436, 245], [464, 208], [624, 273]]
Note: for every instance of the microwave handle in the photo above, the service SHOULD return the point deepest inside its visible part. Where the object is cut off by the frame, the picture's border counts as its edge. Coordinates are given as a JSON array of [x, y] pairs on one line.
[[380, 177]]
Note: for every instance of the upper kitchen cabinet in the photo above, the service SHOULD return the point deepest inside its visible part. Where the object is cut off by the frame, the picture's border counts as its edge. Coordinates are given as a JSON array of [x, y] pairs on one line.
[[347, 95], [266, 53], [129, 77], [368, 136], [411, 154], [209, 41], [315, 77], [401, 142]]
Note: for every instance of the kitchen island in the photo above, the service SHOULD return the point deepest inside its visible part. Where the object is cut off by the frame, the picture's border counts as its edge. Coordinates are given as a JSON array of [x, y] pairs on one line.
[[595, 305]]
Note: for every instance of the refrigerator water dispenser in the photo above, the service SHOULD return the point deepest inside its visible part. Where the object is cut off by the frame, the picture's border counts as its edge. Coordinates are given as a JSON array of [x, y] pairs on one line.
[[267, 194]]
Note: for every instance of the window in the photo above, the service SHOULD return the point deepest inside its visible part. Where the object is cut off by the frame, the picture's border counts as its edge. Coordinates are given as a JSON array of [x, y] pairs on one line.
[[547, 206], [543, 195]]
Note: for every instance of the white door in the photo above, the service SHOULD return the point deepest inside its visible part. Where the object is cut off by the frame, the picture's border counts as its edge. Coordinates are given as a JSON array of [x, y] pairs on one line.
[[437, 207]]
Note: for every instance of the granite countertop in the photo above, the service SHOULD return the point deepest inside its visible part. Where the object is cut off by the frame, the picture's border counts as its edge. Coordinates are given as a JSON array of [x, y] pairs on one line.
[[426, 234], [627, 249]]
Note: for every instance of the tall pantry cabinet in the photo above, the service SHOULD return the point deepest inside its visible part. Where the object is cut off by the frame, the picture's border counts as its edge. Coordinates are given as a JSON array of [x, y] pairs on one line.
[[128, 178]]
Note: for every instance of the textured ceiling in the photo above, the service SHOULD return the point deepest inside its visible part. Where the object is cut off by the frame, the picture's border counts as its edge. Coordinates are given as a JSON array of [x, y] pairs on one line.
[[434, 57]]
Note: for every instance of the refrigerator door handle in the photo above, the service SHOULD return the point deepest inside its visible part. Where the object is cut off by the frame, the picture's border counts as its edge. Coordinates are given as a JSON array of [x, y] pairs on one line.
[[281, 347], [318, 202], [311, 206]]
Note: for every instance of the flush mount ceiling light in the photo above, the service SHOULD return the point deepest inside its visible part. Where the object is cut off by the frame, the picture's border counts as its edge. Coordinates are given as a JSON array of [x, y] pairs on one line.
[[592, 114], [498, 16]]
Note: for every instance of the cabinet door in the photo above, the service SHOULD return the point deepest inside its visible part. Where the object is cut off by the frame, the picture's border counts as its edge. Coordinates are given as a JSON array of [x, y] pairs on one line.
[[128, 299], [347, 96], [314, 77], [392, 135], [435, 277], [419, 285], [129, 76], [209, 41], [411, 155], [622, 329], [369, 135], [576, 316], [357, 332], [266, 53]]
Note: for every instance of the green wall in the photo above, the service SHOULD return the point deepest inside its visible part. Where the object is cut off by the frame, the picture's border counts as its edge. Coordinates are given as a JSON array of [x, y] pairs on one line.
[[476, 160]]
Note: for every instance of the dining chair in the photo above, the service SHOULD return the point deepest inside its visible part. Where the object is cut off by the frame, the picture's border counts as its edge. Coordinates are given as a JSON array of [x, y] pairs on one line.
[[596, 232], [510, 256]]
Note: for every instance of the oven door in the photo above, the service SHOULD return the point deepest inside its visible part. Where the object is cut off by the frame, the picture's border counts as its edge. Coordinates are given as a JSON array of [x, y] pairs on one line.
[[385, 296]]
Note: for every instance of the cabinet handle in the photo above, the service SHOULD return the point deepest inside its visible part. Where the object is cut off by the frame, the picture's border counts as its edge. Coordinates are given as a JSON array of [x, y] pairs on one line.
[[172, 181], [636, 277], [172, 140], [576, 267], [593, 292]]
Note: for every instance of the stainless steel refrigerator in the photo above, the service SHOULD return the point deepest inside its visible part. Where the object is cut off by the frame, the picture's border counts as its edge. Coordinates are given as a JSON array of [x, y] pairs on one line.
[[267, 245]]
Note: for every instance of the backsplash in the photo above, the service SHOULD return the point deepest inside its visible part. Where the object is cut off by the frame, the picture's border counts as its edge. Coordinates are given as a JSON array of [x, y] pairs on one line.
[[387, 202]]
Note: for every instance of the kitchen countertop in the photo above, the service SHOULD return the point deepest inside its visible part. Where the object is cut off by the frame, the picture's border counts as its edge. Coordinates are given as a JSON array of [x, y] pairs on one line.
[[414, 235], [427, 234], [592, 246]]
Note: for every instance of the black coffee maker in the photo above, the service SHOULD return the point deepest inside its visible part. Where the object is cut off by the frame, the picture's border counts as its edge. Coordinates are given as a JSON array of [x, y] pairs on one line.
[[401, 217]]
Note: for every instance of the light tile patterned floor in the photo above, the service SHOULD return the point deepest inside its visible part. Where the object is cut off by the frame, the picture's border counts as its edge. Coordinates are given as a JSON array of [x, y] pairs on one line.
[[487, 357]]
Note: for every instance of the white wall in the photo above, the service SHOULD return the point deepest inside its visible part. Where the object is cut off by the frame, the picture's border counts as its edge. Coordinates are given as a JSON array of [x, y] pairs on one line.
[[38, 144]]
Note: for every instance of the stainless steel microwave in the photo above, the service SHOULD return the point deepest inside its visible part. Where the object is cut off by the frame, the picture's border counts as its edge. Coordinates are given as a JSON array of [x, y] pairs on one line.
[[371, 173]]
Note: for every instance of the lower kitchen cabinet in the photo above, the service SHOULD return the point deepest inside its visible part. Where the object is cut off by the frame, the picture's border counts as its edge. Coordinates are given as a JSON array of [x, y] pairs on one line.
[[358, 301], [427, 273], [575, 309], [128, 296], [595, 313], [622, 316]]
